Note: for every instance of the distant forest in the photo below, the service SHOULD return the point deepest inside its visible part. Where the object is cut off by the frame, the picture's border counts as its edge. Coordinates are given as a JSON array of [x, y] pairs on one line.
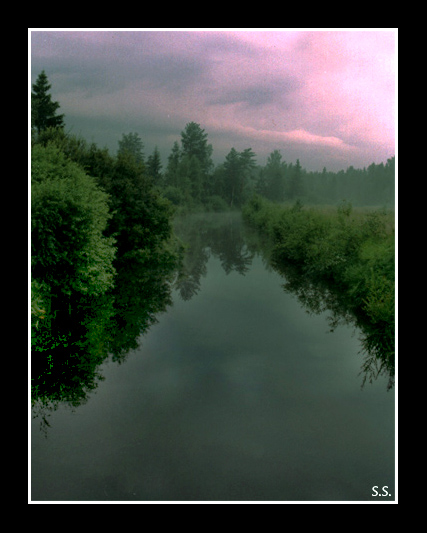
[[190, 178]]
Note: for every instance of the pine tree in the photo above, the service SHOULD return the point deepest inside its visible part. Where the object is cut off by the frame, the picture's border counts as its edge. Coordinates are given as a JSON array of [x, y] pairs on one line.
[[194, 143], [274, 175], [132, 145], [154, 166], [296, 187], [171, 175], [237, 168], [43, 109]]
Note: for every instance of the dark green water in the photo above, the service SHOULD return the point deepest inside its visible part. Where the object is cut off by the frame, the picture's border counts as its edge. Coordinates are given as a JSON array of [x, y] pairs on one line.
[[235, 394]]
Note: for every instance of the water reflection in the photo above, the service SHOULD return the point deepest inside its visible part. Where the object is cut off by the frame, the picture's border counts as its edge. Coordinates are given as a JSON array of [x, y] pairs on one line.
[[224, 237], [68, 350], [217, 235], [377, 344], [66, 353], [317, 297], [141, 294]]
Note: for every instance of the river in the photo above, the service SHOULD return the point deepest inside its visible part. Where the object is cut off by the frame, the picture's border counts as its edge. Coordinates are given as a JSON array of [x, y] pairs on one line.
[[234, 393]]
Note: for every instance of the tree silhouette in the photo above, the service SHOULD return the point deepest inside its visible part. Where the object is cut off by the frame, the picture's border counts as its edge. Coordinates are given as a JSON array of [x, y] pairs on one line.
[[43, 109]]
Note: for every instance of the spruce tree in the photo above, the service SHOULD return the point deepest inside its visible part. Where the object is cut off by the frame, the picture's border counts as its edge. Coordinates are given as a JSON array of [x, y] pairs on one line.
[[296, 187], [194, 143], [133, 145], [154, 167], [43, 109]]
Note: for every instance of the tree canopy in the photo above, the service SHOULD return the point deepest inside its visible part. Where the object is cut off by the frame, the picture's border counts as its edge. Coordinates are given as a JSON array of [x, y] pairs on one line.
[[92, 213], [132, 144], [69, 214]]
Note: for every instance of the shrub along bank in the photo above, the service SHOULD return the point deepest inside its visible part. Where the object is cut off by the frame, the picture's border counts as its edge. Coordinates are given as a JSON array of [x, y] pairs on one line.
[[352, 251]]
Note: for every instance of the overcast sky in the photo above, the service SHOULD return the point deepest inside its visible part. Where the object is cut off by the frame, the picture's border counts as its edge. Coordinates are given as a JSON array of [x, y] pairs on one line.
[[326, 97]]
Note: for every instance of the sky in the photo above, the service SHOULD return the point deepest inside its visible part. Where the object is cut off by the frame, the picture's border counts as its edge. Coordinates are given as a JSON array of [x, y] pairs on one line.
[[325, 97]]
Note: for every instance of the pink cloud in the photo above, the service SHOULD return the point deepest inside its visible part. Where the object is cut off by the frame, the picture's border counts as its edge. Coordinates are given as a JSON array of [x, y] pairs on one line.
[[338, 87], [298, 136], [305, 137], [299, 91]]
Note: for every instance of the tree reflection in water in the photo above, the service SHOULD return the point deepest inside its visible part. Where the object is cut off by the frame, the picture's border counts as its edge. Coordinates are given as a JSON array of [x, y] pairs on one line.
[[217, 235], [68, 352], [225, 237], [317, 297]]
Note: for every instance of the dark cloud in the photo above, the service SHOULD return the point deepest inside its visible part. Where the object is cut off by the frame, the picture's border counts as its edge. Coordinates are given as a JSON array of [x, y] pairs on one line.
[[106, 132], [264, 93], [110, 61], [171, 73]]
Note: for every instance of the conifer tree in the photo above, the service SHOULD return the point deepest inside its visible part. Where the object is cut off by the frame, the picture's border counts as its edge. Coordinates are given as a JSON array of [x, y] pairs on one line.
[[237, 169], [174, 158], [194, 143], [154, 166], [43, 109], [296, 187], [132, 144]]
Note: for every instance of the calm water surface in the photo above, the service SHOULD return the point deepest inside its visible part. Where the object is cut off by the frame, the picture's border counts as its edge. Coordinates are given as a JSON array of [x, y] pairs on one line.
[[235, 394]]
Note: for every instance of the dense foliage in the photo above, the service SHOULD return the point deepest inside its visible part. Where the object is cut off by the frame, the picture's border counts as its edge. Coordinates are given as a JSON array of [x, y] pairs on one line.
[[352, 251], [69, 214], [191, 180], [279, 181], [101, 238]]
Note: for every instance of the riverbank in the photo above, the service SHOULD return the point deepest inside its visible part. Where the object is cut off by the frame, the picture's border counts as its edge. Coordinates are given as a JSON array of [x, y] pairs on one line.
[[352, 250]]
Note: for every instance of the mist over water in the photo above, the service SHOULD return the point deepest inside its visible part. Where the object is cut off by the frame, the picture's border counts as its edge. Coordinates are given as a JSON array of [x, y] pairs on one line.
[[237, 393]]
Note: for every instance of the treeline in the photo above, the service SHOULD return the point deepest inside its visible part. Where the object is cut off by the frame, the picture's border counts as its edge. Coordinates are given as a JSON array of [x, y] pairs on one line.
[[191, 179], [280, 181]]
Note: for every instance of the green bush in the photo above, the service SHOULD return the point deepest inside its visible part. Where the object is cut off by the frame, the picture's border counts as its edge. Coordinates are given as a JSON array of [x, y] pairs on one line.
[[68, 216], [356, 254]]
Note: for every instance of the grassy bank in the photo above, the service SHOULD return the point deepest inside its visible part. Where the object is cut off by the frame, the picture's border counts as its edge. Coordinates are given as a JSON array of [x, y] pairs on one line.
[[350, 249]]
